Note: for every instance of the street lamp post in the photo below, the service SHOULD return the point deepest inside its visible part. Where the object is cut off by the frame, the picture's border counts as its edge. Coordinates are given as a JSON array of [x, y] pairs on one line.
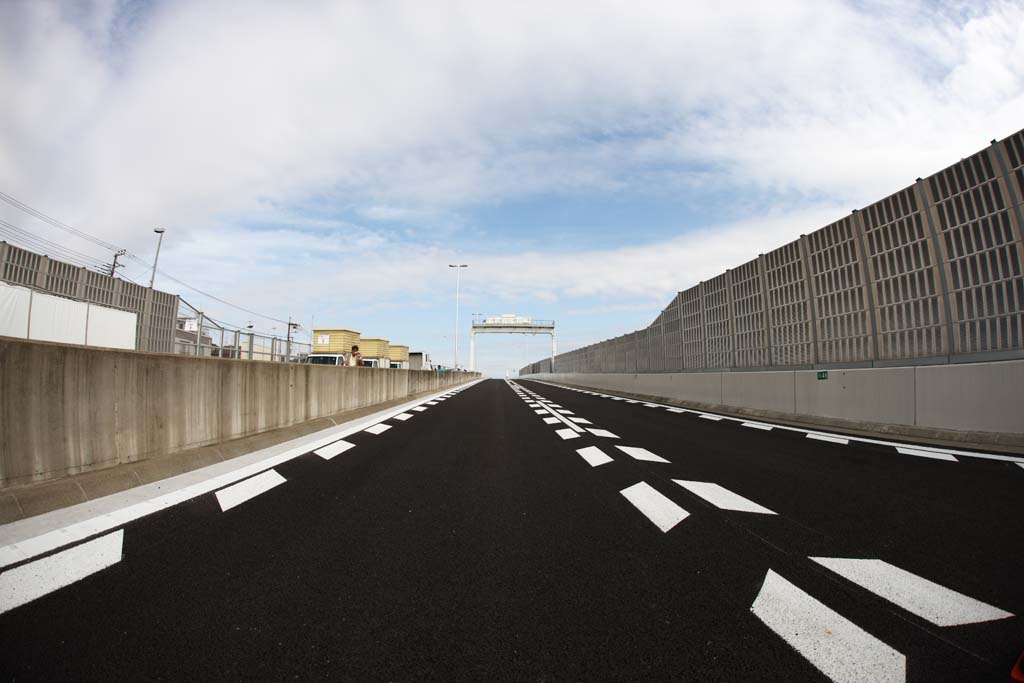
[[152, 278], [458, 280]]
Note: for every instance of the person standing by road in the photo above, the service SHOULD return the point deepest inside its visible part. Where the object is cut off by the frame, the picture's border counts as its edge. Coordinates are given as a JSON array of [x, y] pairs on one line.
[[355, 359]]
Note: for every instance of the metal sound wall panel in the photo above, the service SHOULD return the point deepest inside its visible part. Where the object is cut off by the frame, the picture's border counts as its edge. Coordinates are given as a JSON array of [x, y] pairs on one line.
[[672, 336], [718, 322], [692, 325], [840, 294], [749, 316], [789, 316], [909, 311], [980, 247]]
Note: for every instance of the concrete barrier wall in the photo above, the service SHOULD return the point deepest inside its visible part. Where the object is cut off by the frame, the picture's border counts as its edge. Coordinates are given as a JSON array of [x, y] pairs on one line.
[[982, 402], [69, 409]]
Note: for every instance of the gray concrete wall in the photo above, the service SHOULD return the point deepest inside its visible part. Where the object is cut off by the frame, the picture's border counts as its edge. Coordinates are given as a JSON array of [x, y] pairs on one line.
[[70, 409], [980, 402]]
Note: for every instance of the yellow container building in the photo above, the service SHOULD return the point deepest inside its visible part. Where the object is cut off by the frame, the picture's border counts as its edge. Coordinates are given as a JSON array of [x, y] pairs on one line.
[[373, 347], [334, 340], [398, 353]]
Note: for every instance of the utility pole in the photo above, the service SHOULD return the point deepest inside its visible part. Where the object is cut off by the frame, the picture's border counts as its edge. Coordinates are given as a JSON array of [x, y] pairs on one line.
[[152, 278], [458, 278], [115, 265]]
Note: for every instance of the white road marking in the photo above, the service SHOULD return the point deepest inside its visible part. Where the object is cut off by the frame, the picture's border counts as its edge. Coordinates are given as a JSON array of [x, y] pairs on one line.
[[581, 420], [594, 456], [442, 398], [722, 497], [706, 416], [654, 505], [553, 405], [629, 400], [551, 420], [564, 420], [431, 403], [860, 439], [757, 425], [928, 600], [378, 428], [541, 411], [403, 416], [248, 489], [651, 405], [1020, 464], [602, 432], [827, 437], [24, 584], [336, 448], [567, 434], [640, 454], [419, 409], [675, 410], [566, 412], [837, 647], [937, 455]]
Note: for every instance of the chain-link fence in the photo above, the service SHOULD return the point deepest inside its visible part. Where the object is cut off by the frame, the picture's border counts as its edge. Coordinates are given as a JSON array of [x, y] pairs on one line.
[[196, 334]]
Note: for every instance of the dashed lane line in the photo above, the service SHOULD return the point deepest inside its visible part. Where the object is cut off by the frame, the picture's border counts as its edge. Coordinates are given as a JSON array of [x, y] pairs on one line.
[[757, 425], [836, 646], [581, 420], [935, 455], [419, 409], [378, 428], [602, 432], [551, 420], [403, 416], [247, 489], [24, 584], [722, 498], [567, 434], [706, 416], [1017, 459], [930, 601], [540, 411], [594, 456], [654, 505], [336, 448], [828, 437], [641, 454]]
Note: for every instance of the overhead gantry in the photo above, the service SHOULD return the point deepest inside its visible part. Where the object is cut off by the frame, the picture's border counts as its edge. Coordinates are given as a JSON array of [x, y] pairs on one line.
[[509, 324]]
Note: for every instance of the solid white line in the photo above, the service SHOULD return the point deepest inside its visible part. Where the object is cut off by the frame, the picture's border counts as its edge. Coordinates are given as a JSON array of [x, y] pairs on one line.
[[641, 454], [564, 420], [602, 432], [757, 425], [593, 455], [581, 420], [33, 580], [567, 434], [378, 428], [722, 497], [247, 489], [551, 420], [937, 455], [928, 600], [837, 647], [654, 505], [403, 416], [827, 437], [336, 448]]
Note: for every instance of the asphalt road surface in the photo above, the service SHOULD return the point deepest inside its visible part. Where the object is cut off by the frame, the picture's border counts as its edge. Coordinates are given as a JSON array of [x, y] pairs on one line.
[[494, 536]]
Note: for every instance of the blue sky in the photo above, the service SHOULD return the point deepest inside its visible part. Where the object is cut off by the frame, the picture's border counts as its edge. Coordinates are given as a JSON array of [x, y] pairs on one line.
[[327, 160]]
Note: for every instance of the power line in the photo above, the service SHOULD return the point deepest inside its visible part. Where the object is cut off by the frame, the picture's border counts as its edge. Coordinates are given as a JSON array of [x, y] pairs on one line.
[[36, 243], [107, 245], [56, 223]]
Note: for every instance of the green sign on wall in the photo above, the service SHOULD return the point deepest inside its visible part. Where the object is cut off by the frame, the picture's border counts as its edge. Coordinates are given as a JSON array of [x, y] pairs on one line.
[[823, 374]]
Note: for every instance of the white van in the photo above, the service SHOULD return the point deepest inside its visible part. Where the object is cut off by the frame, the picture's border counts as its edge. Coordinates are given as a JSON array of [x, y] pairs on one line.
[[338, 359]]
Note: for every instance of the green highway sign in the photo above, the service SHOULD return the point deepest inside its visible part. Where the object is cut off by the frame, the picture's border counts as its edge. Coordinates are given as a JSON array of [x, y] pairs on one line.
[[823, 374]]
